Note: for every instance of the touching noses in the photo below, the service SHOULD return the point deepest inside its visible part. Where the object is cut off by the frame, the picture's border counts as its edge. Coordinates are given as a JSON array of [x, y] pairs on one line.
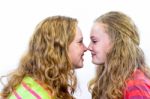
[[89, 47], [85, 48]]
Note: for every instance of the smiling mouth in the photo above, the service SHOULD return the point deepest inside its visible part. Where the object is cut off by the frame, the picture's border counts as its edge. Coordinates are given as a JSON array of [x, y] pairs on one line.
[[93, 55], [82, 55]]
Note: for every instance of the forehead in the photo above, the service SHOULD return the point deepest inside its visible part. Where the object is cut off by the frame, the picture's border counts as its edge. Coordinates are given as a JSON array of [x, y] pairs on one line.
[[78, 32], [99, 31], [98, 28]]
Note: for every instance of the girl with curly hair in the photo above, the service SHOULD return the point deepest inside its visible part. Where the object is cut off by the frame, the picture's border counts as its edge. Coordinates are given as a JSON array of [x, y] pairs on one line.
[[121, 68], [46, 71]]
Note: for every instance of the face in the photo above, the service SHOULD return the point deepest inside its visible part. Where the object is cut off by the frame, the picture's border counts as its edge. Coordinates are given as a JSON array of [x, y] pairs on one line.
[[100, 43], [77, 49]]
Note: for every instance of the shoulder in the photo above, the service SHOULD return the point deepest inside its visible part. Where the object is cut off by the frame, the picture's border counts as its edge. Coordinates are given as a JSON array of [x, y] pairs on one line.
[[138, 87], [32, 89]]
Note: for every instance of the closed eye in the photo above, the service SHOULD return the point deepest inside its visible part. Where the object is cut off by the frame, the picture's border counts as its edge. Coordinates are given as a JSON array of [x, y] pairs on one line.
[[81, 41], [93, 41]]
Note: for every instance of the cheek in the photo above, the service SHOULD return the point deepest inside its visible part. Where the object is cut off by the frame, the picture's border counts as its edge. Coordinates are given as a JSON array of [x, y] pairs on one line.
[[100, 51], [97, 48], [79, 51], [76, 51], [79, 48]]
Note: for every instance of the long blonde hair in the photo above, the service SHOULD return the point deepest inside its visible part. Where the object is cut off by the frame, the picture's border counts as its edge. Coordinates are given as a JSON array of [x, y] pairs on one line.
[[124, 57], [47, 58]]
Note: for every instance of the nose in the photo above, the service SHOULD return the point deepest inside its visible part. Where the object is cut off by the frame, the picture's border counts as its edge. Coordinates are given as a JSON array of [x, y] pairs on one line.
[[85, 48], [89, 47]]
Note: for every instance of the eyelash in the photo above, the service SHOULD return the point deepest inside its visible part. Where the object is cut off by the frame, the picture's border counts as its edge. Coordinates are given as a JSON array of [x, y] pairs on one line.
[[94, 41], [80, 41]]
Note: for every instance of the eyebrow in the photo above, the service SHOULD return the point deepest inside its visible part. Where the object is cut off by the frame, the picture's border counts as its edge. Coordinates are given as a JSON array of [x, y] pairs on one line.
[[93, 37], [81, 38]]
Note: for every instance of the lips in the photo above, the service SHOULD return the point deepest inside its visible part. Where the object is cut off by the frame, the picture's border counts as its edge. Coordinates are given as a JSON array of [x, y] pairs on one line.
[[93, 54], [82, 56]]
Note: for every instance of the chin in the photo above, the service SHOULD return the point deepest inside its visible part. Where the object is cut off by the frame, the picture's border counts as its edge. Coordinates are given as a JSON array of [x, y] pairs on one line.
[[78, 67], [97, 62], [94, 62]]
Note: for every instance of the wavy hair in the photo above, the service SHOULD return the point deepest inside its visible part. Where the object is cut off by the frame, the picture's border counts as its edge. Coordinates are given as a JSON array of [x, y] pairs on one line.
[[47, 58], [124, 57]]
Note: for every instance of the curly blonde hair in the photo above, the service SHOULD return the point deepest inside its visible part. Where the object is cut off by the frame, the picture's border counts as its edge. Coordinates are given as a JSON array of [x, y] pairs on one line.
[[124, 57], [47, 58]]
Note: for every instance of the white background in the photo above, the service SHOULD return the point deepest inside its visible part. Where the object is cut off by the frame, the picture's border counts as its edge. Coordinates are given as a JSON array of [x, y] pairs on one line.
[[18, 19]]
